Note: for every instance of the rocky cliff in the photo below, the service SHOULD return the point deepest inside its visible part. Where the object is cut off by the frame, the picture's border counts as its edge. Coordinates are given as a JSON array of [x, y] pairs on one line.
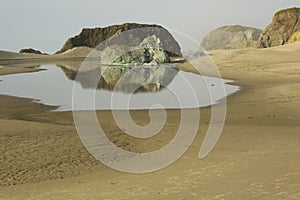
[[231, 37], [100, 37], [285, 23]]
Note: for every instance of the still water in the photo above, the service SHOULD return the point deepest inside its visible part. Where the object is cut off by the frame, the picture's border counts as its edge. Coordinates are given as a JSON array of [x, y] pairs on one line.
[[118, 89]]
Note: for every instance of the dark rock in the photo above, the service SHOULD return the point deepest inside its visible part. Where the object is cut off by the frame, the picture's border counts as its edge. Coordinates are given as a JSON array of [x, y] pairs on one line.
[[30, 50], [231, 37], [93, 37], [285, 23]]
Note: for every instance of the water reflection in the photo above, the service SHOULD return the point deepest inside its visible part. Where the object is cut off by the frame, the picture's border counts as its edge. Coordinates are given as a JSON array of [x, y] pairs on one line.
[[124, 79], [120, 88]]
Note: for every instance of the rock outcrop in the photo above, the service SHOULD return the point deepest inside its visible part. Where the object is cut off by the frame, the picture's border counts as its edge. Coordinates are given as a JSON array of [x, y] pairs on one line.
[[30, 50], [100, 37], [285, 23], [149, 51], [231, 37]]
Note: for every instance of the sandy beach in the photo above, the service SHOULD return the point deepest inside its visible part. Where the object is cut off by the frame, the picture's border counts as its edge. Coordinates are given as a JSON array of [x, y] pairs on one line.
[[257, 156]]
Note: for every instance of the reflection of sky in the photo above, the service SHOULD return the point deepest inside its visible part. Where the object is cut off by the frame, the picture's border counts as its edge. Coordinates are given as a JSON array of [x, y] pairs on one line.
[[52, 87]]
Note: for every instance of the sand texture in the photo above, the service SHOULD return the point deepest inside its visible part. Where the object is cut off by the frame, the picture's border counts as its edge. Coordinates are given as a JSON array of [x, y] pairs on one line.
[[257, 156]]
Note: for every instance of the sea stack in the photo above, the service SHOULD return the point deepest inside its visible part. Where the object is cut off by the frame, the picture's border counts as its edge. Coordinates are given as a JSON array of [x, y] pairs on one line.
[[99, 37]]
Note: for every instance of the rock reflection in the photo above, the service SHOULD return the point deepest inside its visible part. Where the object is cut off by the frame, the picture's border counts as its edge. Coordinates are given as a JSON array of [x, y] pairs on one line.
[[126, 79]]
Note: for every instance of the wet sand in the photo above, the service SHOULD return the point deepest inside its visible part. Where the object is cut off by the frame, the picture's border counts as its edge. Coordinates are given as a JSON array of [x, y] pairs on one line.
[[257, 156]]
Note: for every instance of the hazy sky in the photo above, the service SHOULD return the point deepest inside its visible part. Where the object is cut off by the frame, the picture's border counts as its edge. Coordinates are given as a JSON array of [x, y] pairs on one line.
[[45, 25]]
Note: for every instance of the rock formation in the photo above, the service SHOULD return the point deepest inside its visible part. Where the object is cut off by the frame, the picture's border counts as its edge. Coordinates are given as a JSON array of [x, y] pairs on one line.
[[149, 51], [30, 50], [135, 34], [285, 23], [231, 37]]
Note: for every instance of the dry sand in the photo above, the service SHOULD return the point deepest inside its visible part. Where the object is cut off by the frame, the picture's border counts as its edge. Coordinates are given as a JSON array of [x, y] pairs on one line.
[[257, 156]]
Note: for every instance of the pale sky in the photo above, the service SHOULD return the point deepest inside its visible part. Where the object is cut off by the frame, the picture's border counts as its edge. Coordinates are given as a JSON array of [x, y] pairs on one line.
[[45, 25]]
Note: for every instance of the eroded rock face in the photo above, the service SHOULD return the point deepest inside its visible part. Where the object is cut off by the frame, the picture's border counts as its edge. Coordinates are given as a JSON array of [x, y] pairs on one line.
[[149, 51], [92, 37], [285, 23], [231, 37]]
